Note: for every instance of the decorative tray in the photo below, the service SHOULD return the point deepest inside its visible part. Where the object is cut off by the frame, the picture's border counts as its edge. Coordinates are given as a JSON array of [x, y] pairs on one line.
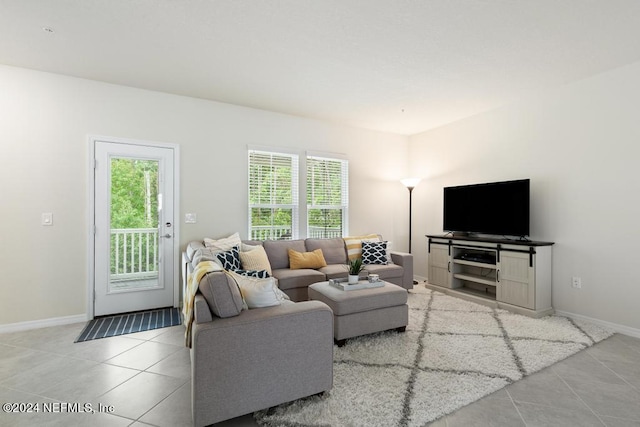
[[362, 284]]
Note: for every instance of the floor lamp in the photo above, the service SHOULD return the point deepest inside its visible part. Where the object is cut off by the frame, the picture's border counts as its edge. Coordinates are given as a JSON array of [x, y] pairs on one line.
[[410, 183]]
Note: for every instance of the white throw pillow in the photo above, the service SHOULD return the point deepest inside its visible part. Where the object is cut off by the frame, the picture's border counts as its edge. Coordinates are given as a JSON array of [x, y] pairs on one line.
[[258, 293], [224, 244]]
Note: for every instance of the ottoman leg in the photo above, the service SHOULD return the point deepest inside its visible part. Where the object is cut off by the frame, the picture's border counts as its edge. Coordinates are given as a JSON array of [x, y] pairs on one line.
[[401, 329], [339, 343]]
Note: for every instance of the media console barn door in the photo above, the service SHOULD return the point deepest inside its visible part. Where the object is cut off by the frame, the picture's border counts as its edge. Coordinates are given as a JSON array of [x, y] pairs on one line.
[[516, 280], [440, 266], [514, 275]]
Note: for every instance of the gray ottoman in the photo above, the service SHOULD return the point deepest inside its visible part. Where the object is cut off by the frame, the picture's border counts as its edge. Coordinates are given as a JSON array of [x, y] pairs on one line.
[[363, 311]]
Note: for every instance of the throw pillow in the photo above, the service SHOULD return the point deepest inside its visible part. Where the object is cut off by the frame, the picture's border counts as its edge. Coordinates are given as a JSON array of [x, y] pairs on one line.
[[230, 260], [354, 245], [260, 274], [225, 244], [298, 260], [259, 293], [255, 259], [389, 244], [246, 248], [374, 253]]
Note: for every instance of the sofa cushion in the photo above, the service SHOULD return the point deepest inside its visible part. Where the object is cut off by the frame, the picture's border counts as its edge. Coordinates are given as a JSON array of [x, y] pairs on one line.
[[354, 244], [222, 294], [335, 271], [298, 260], [389, 271], [252, 242], [374, 253], [290, 279], [255, 259], [278, 251], [333, 250]]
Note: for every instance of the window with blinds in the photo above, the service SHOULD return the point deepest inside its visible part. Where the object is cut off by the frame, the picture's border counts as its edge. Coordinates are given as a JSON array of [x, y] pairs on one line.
[[273, 195], [327, 197]]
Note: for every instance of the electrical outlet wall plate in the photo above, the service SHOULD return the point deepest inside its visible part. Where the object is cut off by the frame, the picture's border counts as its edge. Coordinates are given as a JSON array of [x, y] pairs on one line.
[[576, 282], [47, 218]]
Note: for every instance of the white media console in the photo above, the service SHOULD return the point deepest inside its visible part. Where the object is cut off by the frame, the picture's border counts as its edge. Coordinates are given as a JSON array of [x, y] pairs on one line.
[[501, 273]]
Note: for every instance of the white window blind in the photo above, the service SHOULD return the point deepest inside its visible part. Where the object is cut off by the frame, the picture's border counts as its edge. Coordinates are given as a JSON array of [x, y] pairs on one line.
[[327, 197], [273, 195]]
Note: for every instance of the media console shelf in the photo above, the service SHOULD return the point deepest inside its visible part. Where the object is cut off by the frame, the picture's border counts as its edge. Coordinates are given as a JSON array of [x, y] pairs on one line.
[[501, 273]]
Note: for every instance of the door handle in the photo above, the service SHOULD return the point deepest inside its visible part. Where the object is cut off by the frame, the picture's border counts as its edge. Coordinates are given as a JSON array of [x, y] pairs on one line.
[[167, 236]]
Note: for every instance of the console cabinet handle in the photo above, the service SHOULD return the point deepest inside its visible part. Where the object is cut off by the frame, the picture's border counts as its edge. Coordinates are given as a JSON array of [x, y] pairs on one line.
[[498, 276], [449, 267]]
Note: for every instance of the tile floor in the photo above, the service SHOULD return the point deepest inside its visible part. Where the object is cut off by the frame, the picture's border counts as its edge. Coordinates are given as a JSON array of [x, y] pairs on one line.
[[144, 377]]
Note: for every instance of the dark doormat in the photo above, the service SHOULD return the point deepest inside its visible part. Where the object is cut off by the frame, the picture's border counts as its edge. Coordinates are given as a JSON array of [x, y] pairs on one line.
[[130, 323]]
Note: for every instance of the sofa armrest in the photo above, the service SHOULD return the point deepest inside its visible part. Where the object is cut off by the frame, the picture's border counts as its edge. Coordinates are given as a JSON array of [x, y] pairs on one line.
[[405, 260], [259, 359], [202, 313], [185, 268]]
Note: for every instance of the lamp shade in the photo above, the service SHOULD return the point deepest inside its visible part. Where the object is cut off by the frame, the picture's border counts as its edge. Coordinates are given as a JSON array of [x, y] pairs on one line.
[[410, 182]]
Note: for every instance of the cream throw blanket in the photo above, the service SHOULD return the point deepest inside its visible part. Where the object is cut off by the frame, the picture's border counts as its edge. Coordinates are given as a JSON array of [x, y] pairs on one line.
[[193, 280]]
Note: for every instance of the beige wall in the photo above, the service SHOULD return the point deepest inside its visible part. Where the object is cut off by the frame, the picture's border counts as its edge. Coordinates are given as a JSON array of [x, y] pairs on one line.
[[46, 120], [580, 146]]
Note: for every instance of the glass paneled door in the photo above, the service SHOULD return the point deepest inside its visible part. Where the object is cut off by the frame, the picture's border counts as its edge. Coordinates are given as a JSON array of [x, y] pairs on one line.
[[133, 227]]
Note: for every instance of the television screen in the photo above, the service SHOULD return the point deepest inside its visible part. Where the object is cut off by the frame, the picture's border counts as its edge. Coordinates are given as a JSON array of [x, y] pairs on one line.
[[500, 208]]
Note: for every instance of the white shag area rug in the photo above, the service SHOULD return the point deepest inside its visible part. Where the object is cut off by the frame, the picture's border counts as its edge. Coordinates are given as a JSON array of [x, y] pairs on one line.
[[453, 352]]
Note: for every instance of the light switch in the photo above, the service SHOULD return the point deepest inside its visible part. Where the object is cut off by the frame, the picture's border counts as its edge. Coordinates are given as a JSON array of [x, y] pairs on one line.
[[47, 218], [190, 218]]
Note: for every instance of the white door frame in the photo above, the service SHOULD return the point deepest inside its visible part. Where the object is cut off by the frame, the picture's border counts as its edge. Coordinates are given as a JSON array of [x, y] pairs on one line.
[[92, 139]]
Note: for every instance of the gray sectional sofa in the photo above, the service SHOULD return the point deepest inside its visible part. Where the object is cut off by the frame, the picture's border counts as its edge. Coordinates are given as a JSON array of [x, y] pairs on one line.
[[295, 282], [241, 360]]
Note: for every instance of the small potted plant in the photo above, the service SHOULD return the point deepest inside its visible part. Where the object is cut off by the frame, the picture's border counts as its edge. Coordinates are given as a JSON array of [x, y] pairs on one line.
[[355, 267]]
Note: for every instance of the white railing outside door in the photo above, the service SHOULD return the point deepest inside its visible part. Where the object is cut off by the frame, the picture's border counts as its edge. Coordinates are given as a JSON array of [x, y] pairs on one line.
[[134, 253]]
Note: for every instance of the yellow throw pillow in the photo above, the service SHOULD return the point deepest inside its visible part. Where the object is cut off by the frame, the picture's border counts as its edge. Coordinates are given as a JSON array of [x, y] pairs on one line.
[[255, 259], [313, 259], [354, 244]]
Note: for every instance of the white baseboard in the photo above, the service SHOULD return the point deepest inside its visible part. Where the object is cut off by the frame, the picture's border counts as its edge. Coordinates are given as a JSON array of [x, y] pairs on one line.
[[622, 329], [67, 320], [43, 323]]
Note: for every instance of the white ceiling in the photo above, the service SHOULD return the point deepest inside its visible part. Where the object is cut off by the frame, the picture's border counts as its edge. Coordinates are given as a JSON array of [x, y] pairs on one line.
[[393, 65]]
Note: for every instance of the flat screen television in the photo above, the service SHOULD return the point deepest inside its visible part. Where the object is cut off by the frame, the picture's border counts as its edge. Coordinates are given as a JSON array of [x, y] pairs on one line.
[[500, 208]]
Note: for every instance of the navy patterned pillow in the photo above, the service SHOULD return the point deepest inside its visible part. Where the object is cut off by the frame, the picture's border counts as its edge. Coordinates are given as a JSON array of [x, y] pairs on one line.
[[260, 274], [230, 260], [374, 253]]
